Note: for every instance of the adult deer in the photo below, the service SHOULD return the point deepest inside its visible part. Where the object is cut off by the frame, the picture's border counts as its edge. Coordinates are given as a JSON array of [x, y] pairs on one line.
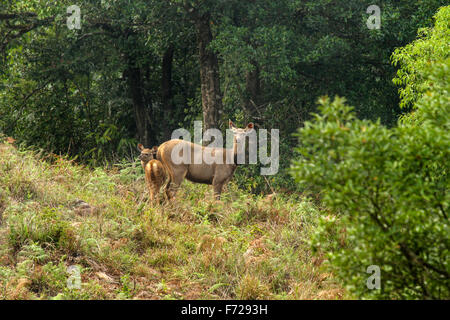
[[196, 167]]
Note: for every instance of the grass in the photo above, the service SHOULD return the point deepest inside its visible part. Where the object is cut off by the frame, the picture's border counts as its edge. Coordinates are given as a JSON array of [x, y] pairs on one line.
[[55, 214]]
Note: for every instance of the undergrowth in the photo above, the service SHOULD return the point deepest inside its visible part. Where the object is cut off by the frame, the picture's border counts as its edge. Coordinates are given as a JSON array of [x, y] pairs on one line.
[[55, 214]]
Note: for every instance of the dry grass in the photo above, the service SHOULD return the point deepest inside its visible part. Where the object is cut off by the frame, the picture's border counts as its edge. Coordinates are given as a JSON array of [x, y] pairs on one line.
[[54, 214]]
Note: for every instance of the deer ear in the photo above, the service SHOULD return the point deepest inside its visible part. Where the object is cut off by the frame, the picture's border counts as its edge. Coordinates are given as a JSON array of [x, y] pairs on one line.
[[250, 126], [155, 148], [231, 124], [140, 146]]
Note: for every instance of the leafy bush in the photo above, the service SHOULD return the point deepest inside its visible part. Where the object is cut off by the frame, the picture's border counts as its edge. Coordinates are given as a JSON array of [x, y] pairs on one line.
[[390, 187], [415, 59]]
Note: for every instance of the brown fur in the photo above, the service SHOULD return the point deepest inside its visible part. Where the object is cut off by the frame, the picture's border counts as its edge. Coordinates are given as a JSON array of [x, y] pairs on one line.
[[214, 174], [155, 174]]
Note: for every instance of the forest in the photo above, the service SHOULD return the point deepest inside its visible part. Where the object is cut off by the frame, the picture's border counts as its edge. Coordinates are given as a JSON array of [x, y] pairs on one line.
[[354, 96]]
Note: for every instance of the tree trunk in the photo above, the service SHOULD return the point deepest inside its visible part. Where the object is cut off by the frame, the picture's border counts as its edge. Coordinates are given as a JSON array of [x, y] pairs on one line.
[[166, 91], [209, 75], [141, 110], [253, 88]]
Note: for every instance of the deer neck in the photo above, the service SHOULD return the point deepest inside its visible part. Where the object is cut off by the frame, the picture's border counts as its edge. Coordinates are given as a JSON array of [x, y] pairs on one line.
[[235, 151]]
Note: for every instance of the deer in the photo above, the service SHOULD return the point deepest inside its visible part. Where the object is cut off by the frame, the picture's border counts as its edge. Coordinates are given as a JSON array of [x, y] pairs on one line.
[[217, 174], [155, 174]]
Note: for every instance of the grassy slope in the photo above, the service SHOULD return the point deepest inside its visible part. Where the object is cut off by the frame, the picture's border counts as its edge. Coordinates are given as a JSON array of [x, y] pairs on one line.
[[244, 247]]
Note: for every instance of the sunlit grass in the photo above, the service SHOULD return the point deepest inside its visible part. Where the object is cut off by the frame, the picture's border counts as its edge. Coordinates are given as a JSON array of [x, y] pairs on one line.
[[55, 214]]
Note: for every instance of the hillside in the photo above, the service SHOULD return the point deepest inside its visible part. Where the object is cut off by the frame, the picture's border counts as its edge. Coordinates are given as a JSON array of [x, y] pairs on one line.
[[55, 214]]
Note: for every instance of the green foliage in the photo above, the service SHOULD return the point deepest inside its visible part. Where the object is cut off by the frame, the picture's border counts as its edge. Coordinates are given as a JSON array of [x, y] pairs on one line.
[[77, 92], [34, 252], [390, 187], [69, 91], [43, 227], [416, 59], [126, 291]]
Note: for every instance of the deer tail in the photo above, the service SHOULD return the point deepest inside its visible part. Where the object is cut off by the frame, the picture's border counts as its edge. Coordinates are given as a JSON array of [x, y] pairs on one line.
[[153, 171]]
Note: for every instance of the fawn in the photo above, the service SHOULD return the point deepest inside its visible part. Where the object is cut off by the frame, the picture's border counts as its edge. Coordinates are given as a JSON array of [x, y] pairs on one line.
[[155, 174]]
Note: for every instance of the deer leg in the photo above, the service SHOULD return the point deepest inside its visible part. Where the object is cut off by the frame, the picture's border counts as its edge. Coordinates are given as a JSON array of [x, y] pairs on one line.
[[176, 183], [167, 189], [147, 183], [157, 192], [217, 187], [152, 194], [167, 186]]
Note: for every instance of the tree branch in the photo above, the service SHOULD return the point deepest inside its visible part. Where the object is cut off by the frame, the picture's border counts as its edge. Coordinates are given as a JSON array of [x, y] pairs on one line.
[[10, 16]]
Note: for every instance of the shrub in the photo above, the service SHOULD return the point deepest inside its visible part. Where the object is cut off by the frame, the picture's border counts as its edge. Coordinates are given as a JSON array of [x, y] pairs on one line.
[[390, 188], [44, 227], [416, 58]]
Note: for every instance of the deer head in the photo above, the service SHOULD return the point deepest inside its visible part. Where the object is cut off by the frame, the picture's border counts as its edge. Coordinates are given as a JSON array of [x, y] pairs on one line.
[[147, 154], [239, 133]]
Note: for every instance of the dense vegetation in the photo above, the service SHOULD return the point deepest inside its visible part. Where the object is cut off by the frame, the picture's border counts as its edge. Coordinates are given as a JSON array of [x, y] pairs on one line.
[[358, 186], [132, 73], [391, 186]]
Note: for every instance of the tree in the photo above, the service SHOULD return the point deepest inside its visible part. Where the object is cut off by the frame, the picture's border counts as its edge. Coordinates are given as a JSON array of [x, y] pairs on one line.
[[415, 59], [389, 188], [199, 13], [15, 23], [138, 70]]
